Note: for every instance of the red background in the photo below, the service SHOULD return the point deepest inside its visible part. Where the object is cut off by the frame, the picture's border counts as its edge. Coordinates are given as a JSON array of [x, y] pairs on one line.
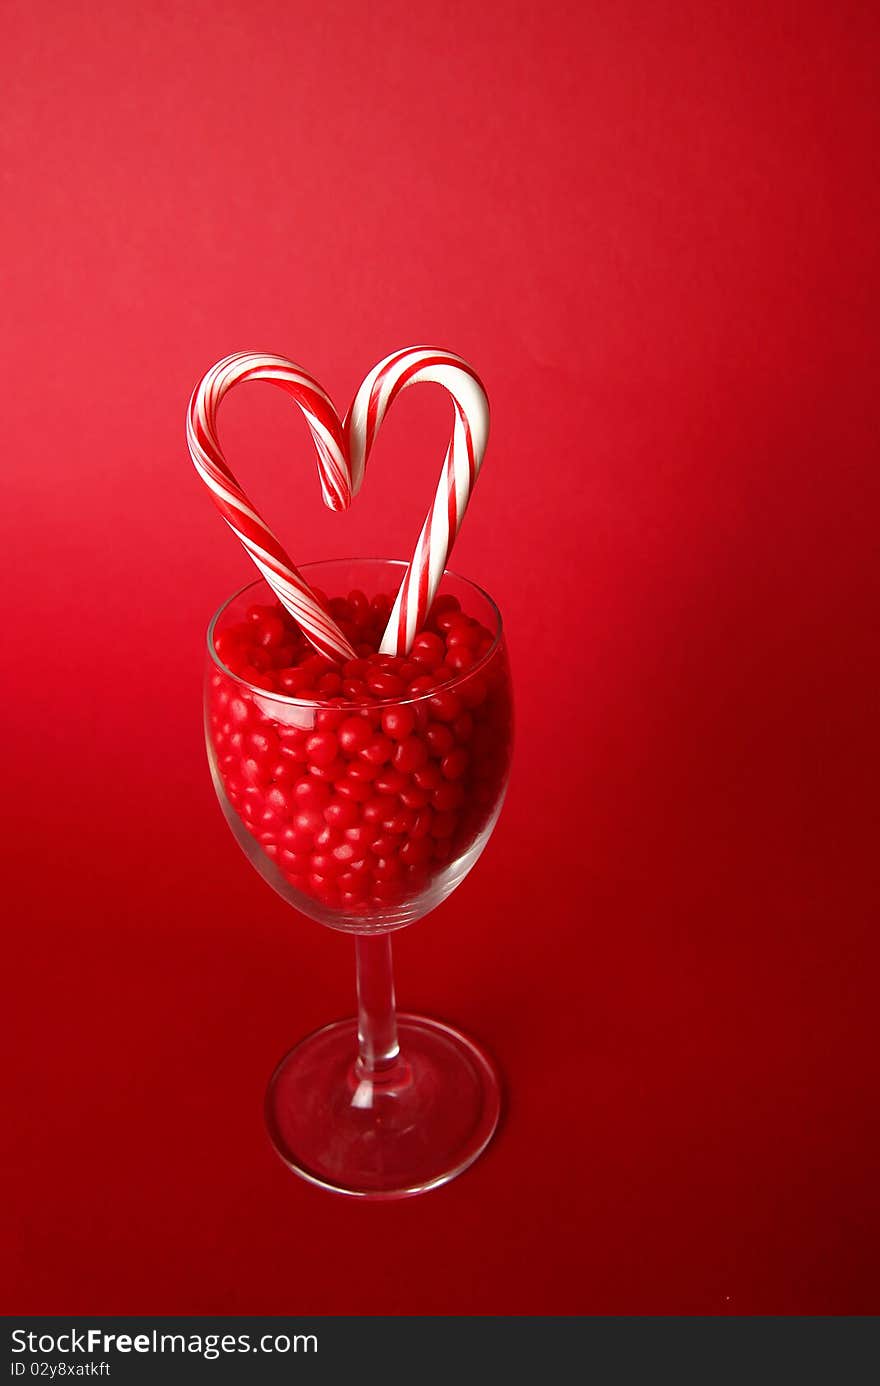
[[652, 228]]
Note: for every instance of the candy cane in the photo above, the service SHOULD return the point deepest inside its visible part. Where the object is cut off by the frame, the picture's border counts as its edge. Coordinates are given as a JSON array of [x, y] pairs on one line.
[[266, 551], [461, 467]]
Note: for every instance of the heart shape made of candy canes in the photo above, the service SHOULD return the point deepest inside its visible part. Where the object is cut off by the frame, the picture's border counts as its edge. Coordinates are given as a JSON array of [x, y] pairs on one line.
[[343, 448]]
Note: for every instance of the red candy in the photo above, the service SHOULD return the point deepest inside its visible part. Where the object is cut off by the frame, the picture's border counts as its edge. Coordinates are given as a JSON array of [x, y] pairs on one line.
[[390, 782], [321, 749], [439, 738], [357, 791], [428, 649], [410, 755], [453, 766], [378, 750], [385, 684], [362, 806], [445, 705], [354, 734], [398, 722]]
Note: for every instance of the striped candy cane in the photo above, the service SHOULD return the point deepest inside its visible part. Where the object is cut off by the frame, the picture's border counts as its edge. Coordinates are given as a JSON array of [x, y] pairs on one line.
[[267, 553], [461, 467]]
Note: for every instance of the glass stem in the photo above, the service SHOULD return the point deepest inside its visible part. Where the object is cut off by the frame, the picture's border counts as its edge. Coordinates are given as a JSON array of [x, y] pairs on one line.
[[377, 1021]]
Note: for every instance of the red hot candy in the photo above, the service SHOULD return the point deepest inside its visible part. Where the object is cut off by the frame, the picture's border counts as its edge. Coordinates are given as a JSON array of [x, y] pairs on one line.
[[363, 801]]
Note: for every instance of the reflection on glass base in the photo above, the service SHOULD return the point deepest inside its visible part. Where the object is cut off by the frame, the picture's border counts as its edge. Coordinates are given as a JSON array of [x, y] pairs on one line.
[[415, 1127]]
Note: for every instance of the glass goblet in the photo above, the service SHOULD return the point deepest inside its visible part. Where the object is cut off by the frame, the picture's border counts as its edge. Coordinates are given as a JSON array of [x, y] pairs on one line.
[[365, 815]]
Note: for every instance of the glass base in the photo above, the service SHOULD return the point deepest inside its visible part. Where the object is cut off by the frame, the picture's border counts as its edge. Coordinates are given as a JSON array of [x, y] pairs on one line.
[[408, 1130]]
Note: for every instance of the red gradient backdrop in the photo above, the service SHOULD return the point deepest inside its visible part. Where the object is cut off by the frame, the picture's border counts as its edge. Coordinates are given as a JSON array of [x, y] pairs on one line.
[[652, 228]]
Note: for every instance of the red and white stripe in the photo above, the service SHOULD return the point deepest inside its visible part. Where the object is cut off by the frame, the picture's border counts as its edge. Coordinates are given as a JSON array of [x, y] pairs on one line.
[[343, 450], [464, 457], [266, 551]]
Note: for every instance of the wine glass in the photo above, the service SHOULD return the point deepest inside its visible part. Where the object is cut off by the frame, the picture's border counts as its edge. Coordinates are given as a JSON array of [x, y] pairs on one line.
[[364, 815]]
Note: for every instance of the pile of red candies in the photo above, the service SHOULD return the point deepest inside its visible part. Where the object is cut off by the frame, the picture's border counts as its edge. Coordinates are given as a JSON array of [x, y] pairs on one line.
[[363, 800]]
